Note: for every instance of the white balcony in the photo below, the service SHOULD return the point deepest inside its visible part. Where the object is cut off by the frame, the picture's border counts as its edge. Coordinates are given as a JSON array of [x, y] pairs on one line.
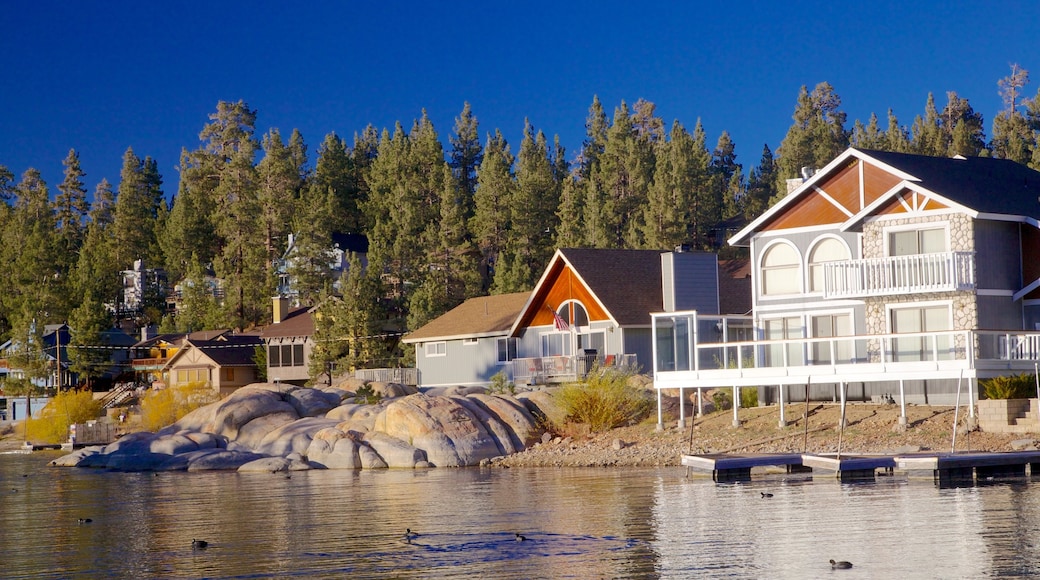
[[691, 351], [915, 274]]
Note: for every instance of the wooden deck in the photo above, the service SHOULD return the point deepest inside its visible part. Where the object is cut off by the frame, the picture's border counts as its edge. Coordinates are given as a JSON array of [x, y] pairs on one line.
[[945, 468]]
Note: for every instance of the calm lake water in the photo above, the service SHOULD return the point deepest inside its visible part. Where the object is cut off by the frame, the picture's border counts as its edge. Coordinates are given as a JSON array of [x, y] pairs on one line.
[[579, 523]]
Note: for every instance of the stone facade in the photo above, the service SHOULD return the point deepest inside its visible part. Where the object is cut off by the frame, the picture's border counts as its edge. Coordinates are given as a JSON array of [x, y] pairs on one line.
[[962, 239]]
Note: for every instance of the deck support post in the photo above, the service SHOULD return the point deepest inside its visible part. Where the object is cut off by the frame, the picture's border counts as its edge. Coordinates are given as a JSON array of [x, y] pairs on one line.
[[736, 406], [841, 391], [700, 402], [660, 417], [783, 418], [682, 409], [902, 404], [972, 383]]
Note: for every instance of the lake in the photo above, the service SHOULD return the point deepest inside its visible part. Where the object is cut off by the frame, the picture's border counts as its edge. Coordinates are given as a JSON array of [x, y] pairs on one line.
[[578, 523]]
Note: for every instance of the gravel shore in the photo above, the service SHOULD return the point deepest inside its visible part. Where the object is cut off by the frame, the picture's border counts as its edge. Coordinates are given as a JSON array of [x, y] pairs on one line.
[[869, 429]]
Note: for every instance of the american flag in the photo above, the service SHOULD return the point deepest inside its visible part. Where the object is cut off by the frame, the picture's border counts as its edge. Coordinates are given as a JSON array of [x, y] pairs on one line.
[[558, 322]]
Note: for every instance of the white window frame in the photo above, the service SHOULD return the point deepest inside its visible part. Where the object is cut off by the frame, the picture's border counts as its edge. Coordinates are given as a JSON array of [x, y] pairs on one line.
[[799, 264], [887, 232], [436, 349], [809, 263], [948, 304], [510, 342], [470, 342]]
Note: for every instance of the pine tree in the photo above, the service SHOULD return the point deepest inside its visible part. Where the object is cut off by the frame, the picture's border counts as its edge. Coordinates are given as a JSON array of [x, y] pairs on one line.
[[927, 138], [963, 127], [666, 212], [309, 265], [817, 136], [704, 209], [71, 206], [136, 212], [760, 188], [349, 330], [727, 176], [532, 209], [190, 228], [491, 218], [1012, 137], [896, 136], [88, 323], [277, 195], [35, 275], [466, 155]]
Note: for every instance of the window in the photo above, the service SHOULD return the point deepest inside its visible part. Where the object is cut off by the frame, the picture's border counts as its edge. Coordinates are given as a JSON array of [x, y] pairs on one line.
[[436, 349], [828, 250], [580, 317], [779, 329], [556, 344], [910, 242], [287, 360], [274, 358], [297, 351], [827, 326], [469, 342], [781, 271], [506, 349], [917, 320]]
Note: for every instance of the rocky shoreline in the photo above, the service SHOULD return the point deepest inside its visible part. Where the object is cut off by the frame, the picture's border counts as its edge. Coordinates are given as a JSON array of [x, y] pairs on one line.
[[279, 428]]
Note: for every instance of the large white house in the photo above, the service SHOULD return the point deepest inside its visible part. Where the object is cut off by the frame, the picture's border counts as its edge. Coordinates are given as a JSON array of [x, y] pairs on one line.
[[880, 275]]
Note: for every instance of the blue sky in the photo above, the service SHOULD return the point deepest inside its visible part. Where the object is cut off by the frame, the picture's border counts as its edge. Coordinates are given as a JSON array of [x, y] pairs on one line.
[[103, 76]]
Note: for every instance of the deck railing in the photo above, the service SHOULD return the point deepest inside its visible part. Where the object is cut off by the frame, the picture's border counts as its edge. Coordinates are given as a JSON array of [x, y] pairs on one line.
[[695, 347], [404, 376], [555, 369], [914, 274]]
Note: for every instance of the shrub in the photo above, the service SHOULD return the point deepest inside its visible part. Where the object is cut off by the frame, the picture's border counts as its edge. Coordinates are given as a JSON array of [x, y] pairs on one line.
[[500, 385], [604, 400], [748, 397], [165, 406], [366, 395], [65, 409], [722, 399], [1021, 386]]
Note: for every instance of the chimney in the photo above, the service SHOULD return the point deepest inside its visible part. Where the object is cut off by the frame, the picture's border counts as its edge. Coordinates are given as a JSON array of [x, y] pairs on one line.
[[281, 308], [808, 172], [793, 184]]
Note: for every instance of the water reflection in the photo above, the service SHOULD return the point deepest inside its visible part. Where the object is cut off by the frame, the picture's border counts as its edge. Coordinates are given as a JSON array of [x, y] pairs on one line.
[[580, 523]]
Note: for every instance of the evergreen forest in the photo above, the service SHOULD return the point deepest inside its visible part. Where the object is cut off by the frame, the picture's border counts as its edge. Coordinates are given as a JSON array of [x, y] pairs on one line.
[[446, 219]]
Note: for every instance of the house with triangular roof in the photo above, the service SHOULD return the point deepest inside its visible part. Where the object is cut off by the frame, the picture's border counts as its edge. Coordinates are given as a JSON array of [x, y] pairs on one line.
[[225, 363], [590, 306], [881, 275]]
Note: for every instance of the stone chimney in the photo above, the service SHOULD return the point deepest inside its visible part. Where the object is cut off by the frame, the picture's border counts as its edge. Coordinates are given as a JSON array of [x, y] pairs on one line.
[[281, 308]]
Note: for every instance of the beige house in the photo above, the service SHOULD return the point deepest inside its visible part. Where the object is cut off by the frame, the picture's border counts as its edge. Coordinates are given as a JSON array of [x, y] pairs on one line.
[[289, 342], [225, 363]]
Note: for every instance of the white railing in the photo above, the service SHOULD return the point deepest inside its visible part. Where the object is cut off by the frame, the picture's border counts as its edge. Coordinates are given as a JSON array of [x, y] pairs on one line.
[[914, 274], [689, 342], [549, 369]]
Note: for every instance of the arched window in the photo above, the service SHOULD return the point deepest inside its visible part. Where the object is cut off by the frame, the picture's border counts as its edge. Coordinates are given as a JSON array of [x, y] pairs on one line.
[[781, 271], [828, 250], [580, 315]]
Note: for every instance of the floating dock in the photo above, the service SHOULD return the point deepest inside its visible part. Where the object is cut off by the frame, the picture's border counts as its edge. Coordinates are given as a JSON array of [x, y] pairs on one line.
[[946, 468]]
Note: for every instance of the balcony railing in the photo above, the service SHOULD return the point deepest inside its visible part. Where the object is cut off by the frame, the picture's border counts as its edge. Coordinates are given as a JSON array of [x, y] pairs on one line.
[[557, 369], [914, 274]]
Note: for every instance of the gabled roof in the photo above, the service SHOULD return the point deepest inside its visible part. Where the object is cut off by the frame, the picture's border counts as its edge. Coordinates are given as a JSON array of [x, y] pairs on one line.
[[234, 350], [474, 318], [298, 322], [625, 284], [982, 185]]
